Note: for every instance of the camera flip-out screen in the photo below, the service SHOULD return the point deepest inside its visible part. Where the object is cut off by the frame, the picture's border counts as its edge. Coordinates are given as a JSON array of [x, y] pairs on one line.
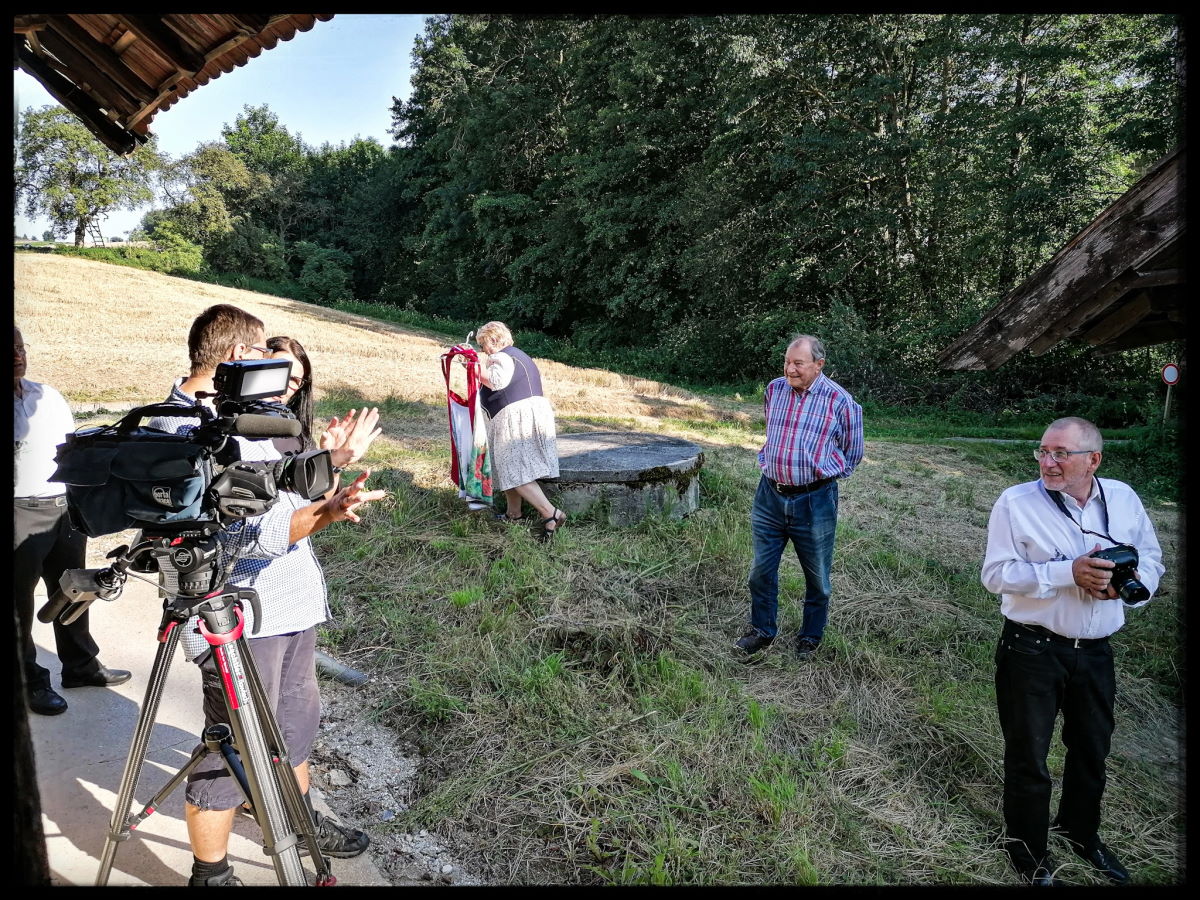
[[252, 379]]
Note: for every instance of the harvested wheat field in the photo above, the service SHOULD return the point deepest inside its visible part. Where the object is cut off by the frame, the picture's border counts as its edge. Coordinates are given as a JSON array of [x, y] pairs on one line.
[[574, 711]]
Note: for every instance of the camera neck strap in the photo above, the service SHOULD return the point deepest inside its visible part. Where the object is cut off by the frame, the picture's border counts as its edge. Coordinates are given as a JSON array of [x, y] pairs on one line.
[[1056, 496]]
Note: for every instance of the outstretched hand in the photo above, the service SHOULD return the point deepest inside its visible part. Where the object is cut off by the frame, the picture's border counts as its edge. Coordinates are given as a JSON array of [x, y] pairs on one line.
[[345, 503], [348, 438]]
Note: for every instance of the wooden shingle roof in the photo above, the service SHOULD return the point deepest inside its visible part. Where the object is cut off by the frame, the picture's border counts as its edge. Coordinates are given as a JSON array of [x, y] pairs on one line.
[[1116, 285], [115, 72]]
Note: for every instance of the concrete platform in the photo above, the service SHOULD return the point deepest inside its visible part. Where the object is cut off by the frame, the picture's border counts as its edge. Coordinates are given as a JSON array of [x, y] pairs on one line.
[[627, 474], [80, 757]]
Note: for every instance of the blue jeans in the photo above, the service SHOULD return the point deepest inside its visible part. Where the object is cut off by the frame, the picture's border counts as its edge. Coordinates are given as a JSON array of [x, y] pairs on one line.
[[810, 520]]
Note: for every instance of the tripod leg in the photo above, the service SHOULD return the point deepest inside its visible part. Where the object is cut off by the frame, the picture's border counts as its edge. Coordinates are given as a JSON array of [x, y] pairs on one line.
[[119, 826], [246, 718], [293, 797]]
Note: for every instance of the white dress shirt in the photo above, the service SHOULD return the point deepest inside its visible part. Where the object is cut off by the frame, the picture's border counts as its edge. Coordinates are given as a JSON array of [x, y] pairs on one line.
[[41, 421], [1031, 545]]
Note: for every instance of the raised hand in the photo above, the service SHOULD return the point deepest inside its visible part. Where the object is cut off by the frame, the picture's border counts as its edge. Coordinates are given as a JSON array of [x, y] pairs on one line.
[[348, 438], [344, 504]]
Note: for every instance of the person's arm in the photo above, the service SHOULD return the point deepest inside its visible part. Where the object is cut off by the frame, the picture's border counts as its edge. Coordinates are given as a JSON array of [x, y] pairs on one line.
[[1006, 568], [342, 506], [496, 371], [850, 438], [1150, 565]]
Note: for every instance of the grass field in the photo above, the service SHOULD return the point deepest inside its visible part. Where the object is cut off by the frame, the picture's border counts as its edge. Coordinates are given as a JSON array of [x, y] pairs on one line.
[[581, 717]]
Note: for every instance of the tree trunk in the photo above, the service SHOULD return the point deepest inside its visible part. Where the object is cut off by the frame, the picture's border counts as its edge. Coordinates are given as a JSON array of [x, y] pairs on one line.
[[80, 232]]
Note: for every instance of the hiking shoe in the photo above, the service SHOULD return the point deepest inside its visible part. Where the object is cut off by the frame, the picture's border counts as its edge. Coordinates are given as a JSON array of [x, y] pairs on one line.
[[752, 642], [338, 841], [221, 879], [806, 647]]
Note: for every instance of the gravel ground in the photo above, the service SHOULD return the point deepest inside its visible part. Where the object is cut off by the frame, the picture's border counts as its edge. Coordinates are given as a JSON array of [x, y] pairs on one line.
[[366, 776]]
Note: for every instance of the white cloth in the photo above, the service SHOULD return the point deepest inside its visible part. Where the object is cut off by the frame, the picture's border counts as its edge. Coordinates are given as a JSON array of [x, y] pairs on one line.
[[1031, 546], [523, 443], [41, 422]]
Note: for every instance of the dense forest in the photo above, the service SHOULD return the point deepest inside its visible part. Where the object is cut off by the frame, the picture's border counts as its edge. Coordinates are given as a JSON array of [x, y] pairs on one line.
[[682, 193]]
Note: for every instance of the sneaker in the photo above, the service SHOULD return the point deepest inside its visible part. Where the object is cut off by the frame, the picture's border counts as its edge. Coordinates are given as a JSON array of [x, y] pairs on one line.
[[806, 647], [221, 879], [752, 642], [339, 841]]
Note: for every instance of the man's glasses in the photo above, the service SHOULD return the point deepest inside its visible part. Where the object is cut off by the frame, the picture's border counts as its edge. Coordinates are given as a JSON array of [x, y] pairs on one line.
[[265, 351], [1059, 456]]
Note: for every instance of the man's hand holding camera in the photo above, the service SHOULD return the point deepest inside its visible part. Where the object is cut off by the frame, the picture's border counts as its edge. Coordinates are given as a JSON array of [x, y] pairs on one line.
[[1094, 575]]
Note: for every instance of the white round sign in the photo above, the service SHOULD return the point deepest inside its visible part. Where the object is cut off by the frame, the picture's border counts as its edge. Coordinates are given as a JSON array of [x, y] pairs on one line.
[[1170, 373]]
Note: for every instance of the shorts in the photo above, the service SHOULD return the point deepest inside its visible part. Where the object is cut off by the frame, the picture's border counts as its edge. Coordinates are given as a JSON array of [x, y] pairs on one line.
[[287, 668]]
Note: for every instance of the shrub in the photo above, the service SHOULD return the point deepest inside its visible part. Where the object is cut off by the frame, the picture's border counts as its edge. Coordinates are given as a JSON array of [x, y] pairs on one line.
[[324, 274]]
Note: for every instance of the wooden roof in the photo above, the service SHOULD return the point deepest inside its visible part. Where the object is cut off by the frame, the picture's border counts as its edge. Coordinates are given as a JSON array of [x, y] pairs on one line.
[[1118, 284], [115, 72]]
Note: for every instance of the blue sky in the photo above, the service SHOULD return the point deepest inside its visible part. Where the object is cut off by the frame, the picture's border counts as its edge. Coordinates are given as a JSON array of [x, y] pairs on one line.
[[330, 84]]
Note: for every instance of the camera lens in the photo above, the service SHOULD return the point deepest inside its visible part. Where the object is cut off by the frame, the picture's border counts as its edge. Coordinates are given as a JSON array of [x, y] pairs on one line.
[[1133, 591]]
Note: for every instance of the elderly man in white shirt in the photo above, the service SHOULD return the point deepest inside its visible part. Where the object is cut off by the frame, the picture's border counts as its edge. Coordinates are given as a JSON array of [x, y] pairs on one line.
[[44, 543], [1060, 606]]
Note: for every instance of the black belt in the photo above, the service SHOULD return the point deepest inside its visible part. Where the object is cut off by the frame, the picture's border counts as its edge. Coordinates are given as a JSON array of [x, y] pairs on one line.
[[39, 502], [791, 490], [1055, 638]]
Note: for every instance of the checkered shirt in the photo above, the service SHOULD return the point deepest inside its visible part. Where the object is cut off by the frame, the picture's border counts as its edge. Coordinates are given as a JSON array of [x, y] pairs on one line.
[[811, 434]]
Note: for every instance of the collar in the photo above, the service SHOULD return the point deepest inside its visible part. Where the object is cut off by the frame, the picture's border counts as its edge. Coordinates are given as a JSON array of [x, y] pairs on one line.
[[808, 389]]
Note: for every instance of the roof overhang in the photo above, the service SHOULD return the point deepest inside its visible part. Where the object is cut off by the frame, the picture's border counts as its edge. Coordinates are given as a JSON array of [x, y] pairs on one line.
[[115, 72], [1116, 285]]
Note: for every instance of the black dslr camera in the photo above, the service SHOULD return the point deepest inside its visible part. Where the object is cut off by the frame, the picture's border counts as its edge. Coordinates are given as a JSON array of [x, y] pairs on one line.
[[1124, 583]]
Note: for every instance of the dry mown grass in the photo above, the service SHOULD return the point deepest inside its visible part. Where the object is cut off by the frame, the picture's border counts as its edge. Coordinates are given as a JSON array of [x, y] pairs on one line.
[[581, 716]]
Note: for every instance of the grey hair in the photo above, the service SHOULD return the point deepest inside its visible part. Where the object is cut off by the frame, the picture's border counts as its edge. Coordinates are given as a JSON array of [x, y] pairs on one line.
[[494, 334], [1089, 434], [815, 347]]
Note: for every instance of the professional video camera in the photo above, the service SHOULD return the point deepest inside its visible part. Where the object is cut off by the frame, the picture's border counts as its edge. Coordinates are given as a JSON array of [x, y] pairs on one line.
[[129, 476]]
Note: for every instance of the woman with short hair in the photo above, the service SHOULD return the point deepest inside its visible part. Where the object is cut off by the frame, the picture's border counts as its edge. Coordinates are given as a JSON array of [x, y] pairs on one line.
[[520, 426]]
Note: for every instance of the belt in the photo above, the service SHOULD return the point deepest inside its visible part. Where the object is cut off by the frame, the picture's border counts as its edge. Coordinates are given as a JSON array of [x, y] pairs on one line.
[[791, 490], [39, 502], [1056, 638]]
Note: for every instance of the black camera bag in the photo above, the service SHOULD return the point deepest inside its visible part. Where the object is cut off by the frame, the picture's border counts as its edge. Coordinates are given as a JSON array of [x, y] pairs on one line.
[[128, 476]]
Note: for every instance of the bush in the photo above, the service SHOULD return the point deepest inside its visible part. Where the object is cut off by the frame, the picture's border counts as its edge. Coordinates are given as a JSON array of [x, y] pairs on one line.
[[249, 250], [324, 274]]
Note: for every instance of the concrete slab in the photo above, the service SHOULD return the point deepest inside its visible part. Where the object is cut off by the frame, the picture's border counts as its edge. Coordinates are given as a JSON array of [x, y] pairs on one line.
[[629, 474], [81, 755]]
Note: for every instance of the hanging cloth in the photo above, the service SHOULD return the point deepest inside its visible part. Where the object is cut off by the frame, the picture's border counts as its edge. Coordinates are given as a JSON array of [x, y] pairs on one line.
[[470, 462]]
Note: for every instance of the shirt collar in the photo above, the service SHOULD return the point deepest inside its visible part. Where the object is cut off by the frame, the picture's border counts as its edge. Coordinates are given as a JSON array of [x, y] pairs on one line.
[[809, 389]]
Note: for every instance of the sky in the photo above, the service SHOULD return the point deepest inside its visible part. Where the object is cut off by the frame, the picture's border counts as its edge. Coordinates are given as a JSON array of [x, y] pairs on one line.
[[330, 84]]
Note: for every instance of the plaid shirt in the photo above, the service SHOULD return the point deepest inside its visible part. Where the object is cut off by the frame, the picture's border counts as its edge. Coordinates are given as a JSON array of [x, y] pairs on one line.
[[811, 434], [287, 577]]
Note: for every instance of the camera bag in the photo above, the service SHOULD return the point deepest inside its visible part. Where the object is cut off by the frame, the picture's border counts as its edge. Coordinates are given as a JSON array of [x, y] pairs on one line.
[[126, 475]]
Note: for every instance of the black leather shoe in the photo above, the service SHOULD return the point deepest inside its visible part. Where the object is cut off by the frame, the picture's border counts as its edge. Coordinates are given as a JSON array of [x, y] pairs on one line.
[[46, 702], [1106, 863], [752, 642], [806, 647], [102, 677], [1041, 876]]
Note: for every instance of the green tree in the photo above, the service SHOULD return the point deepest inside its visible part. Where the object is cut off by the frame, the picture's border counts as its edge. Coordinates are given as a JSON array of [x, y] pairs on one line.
[[66, 175]]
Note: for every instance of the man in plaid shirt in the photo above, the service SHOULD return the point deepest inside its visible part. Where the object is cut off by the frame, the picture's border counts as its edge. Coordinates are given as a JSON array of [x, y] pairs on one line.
[[275, 557], [814, 437]]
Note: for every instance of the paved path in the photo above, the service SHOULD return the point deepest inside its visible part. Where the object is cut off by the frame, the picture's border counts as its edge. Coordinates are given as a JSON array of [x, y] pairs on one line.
[[81, 754]]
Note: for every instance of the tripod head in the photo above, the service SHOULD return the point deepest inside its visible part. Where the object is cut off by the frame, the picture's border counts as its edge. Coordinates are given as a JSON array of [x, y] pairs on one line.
[[187, 557]]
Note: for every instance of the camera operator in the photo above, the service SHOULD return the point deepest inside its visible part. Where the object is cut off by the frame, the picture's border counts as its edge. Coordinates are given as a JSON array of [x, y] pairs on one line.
[[1060, 605], [277, 560], [44, 543]]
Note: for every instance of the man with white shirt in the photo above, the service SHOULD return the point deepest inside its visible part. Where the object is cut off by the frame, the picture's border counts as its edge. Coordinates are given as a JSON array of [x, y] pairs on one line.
[[44, 543], [1060, 608]]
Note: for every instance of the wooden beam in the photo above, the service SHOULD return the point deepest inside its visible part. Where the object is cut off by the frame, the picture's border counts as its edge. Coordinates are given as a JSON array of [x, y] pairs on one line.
[[1145, 335], [1159, 277], [28, 24], [249, 23], [104, 59], [119, 140], [109, 92], [1120, 321], [163, 41]]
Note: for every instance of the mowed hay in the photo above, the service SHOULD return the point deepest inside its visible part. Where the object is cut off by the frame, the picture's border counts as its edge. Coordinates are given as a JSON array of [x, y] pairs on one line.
[[106, 334]]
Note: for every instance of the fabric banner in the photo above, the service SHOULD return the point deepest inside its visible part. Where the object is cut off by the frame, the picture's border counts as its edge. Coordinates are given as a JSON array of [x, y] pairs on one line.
[[470, 461]]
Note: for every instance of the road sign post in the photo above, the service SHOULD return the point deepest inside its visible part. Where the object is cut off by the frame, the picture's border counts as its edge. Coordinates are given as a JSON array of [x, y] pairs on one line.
[[1170, 376]]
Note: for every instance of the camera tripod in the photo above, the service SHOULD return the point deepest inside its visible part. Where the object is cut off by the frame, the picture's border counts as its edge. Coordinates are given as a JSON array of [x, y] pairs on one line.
[[251, 744]]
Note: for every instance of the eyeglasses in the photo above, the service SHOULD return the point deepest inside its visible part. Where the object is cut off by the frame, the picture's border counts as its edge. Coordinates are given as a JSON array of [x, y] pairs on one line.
[[296, 379], [265, 351], [1059, 456]]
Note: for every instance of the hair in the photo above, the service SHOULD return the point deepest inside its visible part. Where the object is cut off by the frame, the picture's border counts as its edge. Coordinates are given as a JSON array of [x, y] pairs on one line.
[[815, 347], [215, 332], [1088, 433], [301, 402], [495, 334]]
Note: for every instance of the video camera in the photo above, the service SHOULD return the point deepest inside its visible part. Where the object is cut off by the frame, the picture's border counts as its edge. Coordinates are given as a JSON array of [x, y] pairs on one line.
[[127, 475]]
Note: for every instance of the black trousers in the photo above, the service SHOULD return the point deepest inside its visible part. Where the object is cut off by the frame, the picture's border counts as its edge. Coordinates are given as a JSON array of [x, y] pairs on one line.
[[1036, 678], [44, 546]]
